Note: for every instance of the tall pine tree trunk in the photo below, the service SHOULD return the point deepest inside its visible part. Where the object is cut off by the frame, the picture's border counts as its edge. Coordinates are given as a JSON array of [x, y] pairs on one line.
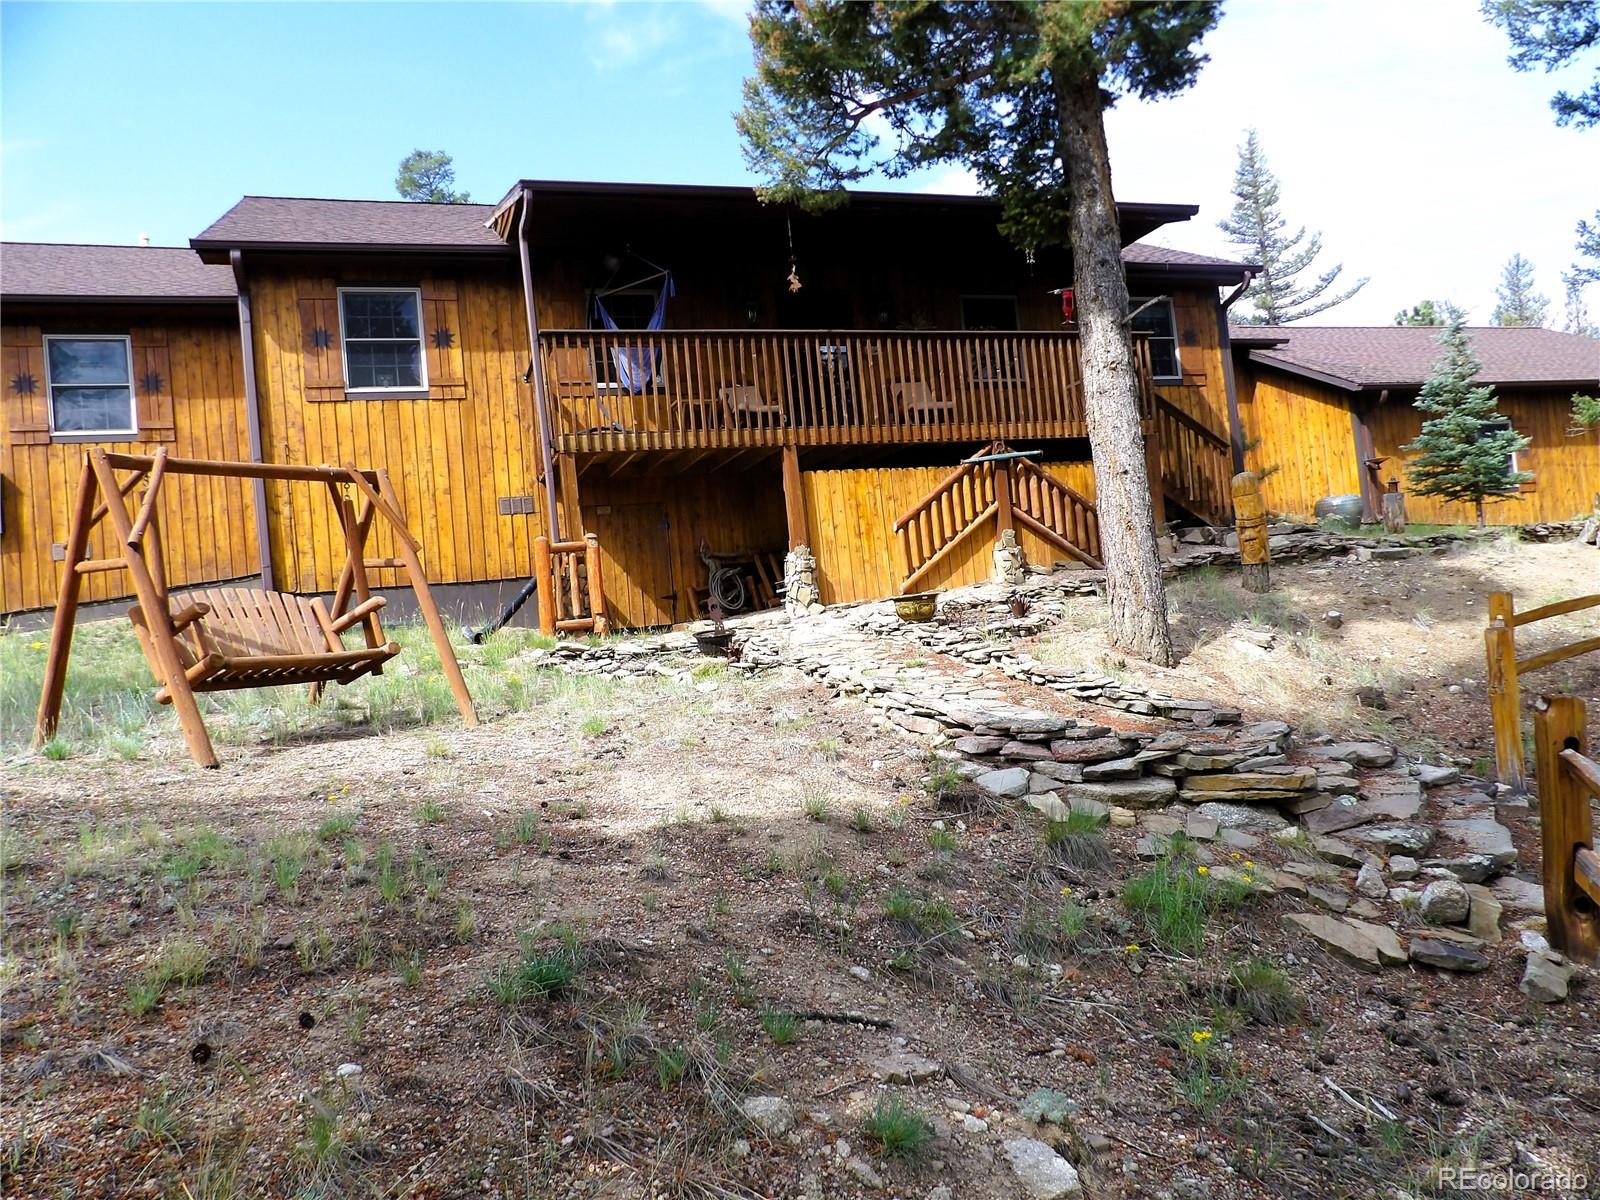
[[1110, 381]]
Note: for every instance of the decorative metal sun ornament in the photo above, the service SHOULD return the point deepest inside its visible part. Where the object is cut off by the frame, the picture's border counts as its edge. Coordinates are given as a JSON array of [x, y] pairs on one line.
[[151, 383], [23, 384], [321, 338], [443, 339]]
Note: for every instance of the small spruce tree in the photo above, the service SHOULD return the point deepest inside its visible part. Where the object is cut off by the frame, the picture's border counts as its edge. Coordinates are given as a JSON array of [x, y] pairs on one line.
[[1429, 312], [429, 177], [1465, 450]]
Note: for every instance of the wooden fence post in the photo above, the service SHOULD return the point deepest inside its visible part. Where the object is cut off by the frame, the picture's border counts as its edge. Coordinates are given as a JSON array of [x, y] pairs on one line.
[[1394, 508], [1571, 919], [1250, 519], [597, 591], [544, 577], [1505, 692]]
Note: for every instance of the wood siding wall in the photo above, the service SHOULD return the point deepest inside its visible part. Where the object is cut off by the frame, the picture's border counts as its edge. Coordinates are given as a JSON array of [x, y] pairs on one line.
[[1203, 394], [1302, 438], [208, 526], [452, 456], [1565, 463], [851, 516]]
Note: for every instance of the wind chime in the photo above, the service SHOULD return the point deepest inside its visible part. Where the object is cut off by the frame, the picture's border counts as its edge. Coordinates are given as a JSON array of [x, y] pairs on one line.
[[794, 267]]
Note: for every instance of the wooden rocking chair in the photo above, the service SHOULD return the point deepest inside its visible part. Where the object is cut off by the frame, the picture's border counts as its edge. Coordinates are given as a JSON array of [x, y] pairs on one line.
[[221, 639]]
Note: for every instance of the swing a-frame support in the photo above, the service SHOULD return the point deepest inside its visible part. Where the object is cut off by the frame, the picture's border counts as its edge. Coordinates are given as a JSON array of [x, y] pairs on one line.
[[222, 639]]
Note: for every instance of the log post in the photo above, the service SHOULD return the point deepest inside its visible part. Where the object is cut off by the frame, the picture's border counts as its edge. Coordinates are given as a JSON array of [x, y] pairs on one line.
[[794, 499], [597, 591], [55, 663], [1394, 508], [1505, 694], [1002, 498], [544, 576], [1152, 468], [1571, 919], [1250, 519]]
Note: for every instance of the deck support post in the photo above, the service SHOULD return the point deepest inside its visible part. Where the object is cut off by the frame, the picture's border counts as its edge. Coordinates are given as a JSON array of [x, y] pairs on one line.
[[571, 504], [1152, 467], [597, 591], [794, 499]]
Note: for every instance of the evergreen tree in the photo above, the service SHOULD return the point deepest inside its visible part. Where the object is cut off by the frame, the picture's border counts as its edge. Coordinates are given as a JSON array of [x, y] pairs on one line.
[[1588, 249], [429, 176], [1550, 34], [1465, 449], [1017, 93], [1429, 312], [1276, 293], [1578, 309], [1516, 303]]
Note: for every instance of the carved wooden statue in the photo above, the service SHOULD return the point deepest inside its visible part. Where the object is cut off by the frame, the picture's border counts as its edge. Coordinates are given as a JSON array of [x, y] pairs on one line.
[[1250, 518]]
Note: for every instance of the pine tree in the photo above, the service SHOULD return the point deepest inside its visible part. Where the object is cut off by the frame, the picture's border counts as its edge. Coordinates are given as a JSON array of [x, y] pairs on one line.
[[1465, 450], [429, 176], [1429, 312], [1551, 34], [1516, 303], [1276, 293], [1578, 320], [1588, 248]]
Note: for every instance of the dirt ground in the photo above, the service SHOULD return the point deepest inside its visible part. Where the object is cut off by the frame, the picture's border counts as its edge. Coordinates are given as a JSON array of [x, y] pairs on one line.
[[290, 976]]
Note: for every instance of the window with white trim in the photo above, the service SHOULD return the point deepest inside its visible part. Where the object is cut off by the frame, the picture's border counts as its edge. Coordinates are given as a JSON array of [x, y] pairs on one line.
[[1161, 324], [381, 333], [90, 378]]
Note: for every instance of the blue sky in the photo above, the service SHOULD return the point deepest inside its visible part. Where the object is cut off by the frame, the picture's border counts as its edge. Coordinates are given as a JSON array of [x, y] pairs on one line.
[[1396, 127]]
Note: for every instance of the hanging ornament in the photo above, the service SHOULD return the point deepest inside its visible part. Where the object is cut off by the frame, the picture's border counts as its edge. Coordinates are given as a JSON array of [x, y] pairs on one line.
[[794, 268]]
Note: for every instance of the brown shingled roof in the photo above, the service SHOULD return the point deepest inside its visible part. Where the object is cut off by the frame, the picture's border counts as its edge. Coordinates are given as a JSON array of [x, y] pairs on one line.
[[51, 271], [355, 224], [1143, 254], [1360, 357]]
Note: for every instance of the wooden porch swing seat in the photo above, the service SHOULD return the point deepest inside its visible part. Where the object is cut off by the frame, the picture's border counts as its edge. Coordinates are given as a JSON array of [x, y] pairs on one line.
[[227, 638]]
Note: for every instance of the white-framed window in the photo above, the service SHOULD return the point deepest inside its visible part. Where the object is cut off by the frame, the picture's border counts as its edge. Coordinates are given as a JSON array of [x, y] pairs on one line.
[[1159, 321], [90, 379], [381, 337]]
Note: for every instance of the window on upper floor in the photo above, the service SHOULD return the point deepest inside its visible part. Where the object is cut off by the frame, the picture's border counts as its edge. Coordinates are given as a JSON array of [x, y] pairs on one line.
[[1159, 321], [91, 385], [382, 338]]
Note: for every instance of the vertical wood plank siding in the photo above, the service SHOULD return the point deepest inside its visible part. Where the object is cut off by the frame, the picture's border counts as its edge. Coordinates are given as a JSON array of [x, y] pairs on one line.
[[851, 515], [451, 456], [1304, 445], [207, 525]]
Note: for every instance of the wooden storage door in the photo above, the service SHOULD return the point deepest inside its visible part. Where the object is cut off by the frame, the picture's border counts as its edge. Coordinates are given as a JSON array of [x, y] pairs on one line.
[[636, 561]]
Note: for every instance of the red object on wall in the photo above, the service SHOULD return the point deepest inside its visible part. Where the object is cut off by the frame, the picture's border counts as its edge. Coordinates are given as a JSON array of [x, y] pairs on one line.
[[1069, 306]]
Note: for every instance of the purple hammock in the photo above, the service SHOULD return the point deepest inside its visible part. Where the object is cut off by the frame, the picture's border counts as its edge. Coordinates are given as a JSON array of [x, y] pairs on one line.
[[637, 366]]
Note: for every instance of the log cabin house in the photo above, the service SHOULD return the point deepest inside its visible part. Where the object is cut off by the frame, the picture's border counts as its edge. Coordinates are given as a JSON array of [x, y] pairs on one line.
[[1330, 410], [695, 379]]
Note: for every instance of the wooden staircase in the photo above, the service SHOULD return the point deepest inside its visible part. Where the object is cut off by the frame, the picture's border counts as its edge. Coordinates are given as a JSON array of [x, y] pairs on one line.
[[1196, 464], [995, 493]]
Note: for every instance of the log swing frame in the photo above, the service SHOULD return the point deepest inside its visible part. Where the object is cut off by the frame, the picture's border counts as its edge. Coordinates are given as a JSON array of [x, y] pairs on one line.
[[223, 639]]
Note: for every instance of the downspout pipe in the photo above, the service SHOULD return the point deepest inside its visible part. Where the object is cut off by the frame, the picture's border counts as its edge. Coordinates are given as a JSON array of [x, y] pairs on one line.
[[1235, 427], [536, 370], [535, 377], [252, 414]]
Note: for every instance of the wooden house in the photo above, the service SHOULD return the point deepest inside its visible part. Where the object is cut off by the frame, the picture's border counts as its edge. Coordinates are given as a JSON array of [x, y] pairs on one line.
[[1328, 411], [691, 376]]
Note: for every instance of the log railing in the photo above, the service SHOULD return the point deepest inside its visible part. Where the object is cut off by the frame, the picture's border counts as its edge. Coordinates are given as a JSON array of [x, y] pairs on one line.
[[1568, 781], [687, 388], [1001, 488], [1505, 670], [1064, 518], [570, 588], [932, 528], [1196, 464]]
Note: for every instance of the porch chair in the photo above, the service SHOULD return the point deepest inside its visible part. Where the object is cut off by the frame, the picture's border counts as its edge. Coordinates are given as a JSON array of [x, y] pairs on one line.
[[746, 406], [918, 402], [226, 638]]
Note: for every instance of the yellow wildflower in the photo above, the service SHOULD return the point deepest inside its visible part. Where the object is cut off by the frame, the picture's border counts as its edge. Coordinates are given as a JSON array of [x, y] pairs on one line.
[[1201, 1036], [1066, 891], [1202, 870], [1248, 878], [1249, 866], [1132, 948], [35, 645]]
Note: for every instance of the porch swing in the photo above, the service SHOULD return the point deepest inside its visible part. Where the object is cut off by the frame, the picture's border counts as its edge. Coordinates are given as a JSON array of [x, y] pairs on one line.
[[226, 638]]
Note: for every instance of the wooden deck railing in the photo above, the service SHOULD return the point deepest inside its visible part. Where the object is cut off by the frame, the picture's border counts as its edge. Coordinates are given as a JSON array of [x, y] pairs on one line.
[[1505, 669], [625, 390], [931, 529], [1568, 779], [1064, 518], [571, 593], [1196, 464]]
